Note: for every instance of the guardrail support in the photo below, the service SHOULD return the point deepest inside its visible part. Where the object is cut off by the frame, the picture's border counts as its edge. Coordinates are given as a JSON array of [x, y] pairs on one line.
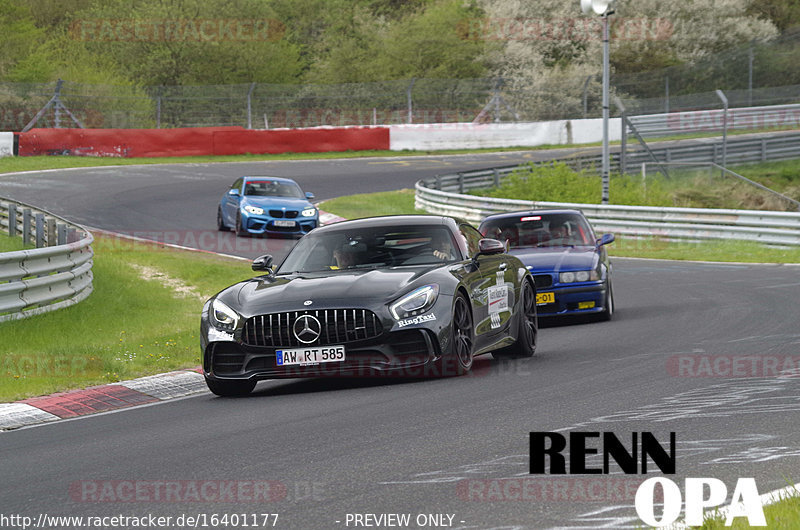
[[62, 234], [51, 232], [460, 183], [39, 230], [26, 226], [496, 177], [12, 219]]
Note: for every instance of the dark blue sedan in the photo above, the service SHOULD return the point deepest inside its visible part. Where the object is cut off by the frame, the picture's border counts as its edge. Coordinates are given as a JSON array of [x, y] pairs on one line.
[[267, 205], [570, 266]]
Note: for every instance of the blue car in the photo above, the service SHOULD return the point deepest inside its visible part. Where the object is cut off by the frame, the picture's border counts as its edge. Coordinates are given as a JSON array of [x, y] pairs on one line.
[[267, 205], [570, 266]]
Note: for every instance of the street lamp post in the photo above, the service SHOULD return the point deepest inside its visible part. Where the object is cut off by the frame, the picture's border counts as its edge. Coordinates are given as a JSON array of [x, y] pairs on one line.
[[604, 9]]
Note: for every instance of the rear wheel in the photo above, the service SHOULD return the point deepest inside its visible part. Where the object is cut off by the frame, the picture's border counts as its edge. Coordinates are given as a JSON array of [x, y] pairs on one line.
[[230, 388], [528, 328]]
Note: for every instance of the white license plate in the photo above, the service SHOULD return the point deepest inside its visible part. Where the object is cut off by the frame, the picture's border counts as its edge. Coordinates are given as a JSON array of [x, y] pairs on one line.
[[315, 355], [284, 223]]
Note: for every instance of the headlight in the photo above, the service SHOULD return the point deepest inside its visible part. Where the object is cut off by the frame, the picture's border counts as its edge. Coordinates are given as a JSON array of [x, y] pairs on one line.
[[416, 302], [579, 276], [309, 212], [222, 316], [254, 210]]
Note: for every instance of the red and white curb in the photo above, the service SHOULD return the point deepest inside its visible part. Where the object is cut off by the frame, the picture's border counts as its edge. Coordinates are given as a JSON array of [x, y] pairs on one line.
[[114, 396], [326, 218]]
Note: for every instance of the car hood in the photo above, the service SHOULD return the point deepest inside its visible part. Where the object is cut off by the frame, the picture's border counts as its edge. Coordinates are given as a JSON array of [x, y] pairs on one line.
[[277, 202], [557, 259], [337, 289]]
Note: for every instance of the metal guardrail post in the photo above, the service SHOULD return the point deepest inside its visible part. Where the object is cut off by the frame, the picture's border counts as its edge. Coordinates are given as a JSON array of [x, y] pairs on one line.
[[26, 226], [39, 230], [62, 233], [763, 149], [724, 99], [51, 232], [496, 177], [460, 183], [12, 219]]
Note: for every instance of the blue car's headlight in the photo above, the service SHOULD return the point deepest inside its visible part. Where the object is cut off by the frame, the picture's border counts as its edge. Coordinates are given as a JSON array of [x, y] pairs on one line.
[[309, 212], [578, 276], [416, 302], [254, 210], [223, 317]]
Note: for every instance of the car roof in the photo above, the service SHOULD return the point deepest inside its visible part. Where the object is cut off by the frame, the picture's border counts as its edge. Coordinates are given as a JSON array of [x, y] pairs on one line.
[[394, 220], [267, 177], [506, 215]]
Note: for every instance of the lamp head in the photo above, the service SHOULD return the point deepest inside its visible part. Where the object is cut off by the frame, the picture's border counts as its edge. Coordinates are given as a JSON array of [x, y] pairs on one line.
[[598, 7]]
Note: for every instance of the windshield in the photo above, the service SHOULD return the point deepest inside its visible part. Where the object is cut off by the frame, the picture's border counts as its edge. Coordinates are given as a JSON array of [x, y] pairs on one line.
[[272, 188], [548, 230], [371, 248]]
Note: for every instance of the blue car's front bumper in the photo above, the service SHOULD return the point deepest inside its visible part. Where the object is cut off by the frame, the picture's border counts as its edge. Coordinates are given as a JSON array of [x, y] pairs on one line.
[[264, 224], [572, 299]]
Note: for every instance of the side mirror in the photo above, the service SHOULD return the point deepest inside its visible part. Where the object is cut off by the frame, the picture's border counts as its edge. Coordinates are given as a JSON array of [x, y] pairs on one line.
[[309, 195], [605, 240], [263, 263], [488, 247], [233, 191]]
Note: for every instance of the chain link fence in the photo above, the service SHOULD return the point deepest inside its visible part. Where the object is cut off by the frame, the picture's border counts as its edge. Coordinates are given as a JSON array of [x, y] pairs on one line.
[[759, 73]]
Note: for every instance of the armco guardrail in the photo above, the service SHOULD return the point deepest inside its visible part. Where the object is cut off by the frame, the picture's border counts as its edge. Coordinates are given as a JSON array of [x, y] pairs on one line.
[[712, 120], [56, 274], [774, 228]]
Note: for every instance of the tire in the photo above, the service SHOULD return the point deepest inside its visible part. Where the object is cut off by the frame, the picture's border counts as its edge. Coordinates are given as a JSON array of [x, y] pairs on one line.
[[462, 338], [528, 328], [220, 223], [241, 232], [230, 388], [608, 312]]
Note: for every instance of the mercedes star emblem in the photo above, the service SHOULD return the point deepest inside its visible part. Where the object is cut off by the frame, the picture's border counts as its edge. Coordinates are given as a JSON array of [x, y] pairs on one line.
[[307, 329]]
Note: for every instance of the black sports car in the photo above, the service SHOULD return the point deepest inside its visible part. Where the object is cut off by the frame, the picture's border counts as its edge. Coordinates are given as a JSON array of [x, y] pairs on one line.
[[401, 296]]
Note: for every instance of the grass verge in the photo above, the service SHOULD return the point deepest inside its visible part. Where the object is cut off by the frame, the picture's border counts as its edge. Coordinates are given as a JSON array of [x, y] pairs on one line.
[[782, 515], [141, 319], [10, 244], [402, 202]]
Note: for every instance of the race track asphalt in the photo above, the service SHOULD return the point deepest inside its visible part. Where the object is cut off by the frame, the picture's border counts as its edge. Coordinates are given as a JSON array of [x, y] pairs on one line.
[[454, 446]]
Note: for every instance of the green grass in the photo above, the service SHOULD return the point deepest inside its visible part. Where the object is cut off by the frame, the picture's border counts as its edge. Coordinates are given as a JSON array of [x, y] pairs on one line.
[[402, 202], [127, 327], [782, 515], [10, 244], [556, 182]]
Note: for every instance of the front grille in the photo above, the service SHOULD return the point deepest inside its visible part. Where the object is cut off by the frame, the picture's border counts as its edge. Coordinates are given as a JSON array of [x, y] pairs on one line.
[[280, 214], [542, 281], [339, 326]]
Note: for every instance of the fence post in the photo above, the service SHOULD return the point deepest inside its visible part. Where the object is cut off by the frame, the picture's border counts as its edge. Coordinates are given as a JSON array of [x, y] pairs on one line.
[[408, 100], [51, 232], [39, 230], [12, 219], [26, 226], [763, 149], [666, 95], [61, 230], [721, 95], [250, 106], [158, 107], [496, 178]]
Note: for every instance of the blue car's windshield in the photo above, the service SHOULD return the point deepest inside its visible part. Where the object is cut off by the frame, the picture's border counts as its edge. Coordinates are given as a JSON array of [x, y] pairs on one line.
[[272, 188], [546, 230], [371, 248]]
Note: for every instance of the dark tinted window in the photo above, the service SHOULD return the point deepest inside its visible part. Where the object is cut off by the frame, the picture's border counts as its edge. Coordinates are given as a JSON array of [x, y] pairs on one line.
[[548, 230], [473, 238], [272, 188]]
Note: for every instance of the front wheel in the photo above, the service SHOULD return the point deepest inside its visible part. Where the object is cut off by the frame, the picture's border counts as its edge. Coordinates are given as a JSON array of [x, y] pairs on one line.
[[240, 231], [220, 223], [230, 388], [462, 342], [528, 328], [608, 312]]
